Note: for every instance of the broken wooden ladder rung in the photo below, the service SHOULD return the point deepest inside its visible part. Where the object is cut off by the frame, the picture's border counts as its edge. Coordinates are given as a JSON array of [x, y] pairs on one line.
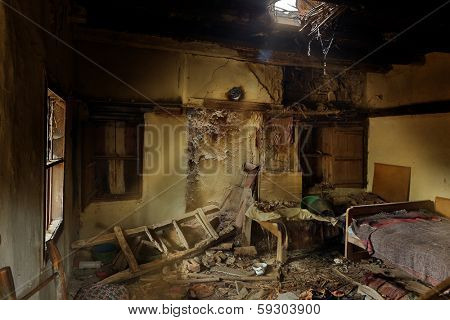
[[126, 250], [204, 222], [180, 235], [155, 241]]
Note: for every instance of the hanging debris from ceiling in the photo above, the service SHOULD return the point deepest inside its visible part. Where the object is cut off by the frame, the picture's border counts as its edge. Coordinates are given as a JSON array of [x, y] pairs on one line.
[[317, 19]]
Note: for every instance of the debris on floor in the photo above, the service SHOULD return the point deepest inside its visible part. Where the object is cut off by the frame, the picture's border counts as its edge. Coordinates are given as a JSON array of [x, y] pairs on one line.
[[307, 274], [208, 254]]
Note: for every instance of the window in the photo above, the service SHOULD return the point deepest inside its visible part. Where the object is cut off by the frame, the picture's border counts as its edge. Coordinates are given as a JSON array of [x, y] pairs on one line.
[[111, 160], [54, 165]]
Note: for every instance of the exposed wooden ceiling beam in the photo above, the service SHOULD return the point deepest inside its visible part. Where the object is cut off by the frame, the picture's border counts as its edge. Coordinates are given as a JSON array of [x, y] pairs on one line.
[[210, 49]]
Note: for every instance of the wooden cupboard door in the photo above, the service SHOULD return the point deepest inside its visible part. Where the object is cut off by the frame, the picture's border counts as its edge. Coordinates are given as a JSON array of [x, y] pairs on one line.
[[348, 173], [348, 143], [343, 162]]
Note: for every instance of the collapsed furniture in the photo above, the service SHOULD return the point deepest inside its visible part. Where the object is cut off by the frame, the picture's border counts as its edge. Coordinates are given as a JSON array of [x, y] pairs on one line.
[[153, 239]]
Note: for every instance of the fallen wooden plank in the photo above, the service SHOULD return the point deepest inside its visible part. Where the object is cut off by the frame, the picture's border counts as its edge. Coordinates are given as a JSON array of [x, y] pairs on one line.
[[398, 276], [187, 281], [169, 259], [235, 278], [110, 237], [180, 234], [223, 246], [126, 250], [224, 278], [361, 287], [231, 271], [434, 293]]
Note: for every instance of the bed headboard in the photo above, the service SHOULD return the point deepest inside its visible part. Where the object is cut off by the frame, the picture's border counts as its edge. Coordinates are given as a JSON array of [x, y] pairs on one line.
[[443, 206], [367, 210]]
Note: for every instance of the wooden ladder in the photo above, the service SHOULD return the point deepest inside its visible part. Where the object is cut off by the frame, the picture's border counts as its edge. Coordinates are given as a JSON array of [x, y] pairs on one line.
[[128, 253]]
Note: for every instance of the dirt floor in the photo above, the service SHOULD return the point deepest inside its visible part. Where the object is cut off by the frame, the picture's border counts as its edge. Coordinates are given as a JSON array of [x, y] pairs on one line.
[[318, 274], [228, 270]]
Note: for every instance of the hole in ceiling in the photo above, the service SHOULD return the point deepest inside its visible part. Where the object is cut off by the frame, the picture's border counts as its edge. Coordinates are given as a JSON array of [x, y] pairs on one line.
[[286, 12]]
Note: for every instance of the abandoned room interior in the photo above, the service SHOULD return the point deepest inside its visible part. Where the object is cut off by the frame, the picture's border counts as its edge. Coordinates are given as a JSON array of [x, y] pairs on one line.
[[224, 150]]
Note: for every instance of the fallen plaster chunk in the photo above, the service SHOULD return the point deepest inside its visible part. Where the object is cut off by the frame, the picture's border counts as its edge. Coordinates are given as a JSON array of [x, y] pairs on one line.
[[223, 246], [245, 251], [231, 271], [287, 296]]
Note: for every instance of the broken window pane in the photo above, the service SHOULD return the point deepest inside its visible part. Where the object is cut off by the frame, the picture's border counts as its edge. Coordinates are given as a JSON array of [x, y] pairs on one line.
[[56, 126]]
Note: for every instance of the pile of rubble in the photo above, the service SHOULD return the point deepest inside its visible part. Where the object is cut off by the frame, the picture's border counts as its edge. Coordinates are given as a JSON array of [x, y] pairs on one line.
[[224, 271]]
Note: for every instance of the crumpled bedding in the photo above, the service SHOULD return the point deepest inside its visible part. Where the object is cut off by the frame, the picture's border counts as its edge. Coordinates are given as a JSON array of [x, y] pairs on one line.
[[416, 241], [289, 214]]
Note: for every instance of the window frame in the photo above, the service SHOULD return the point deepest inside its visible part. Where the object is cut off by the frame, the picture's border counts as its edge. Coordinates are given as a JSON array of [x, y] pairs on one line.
[[56, 224], [89, 158]]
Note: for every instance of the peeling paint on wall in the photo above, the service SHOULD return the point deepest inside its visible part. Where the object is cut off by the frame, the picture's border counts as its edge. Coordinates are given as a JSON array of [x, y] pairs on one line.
[[220, 142]]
